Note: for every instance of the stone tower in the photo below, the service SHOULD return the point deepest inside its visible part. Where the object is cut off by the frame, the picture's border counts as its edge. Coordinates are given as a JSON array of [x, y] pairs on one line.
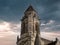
[[30, 32]]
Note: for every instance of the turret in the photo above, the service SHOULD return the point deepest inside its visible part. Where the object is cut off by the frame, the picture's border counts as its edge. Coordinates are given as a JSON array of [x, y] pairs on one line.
[[30, 16]]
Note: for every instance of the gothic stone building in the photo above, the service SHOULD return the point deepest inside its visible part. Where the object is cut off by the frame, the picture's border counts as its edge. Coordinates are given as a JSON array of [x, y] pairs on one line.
[[30, 32]]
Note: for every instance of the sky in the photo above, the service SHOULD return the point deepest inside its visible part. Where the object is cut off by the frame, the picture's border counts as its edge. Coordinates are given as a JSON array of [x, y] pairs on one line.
[[11, 12]]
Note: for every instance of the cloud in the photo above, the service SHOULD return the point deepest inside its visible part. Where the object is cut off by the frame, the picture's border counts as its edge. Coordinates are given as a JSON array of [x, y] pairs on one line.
[[50, 35], [49, 10], [50, 30], [50, 26], [8, 28], [9, 32], [11, 11], [50, 22]]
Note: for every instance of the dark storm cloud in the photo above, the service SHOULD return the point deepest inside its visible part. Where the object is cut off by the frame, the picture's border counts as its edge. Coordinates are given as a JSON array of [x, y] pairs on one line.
[[49, 9], [13, 10]]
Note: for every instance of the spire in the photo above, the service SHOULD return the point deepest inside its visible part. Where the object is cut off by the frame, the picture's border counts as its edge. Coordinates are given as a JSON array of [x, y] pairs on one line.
[[30, 8]]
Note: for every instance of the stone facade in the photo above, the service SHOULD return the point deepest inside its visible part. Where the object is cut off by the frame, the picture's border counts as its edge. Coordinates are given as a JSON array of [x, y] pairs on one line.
[[30, 31]]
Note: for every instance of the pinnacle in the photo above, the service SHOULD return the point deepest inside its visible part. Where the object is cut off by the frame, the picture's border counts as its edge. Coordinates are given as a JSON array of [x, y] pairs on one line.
[[30, 8]]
